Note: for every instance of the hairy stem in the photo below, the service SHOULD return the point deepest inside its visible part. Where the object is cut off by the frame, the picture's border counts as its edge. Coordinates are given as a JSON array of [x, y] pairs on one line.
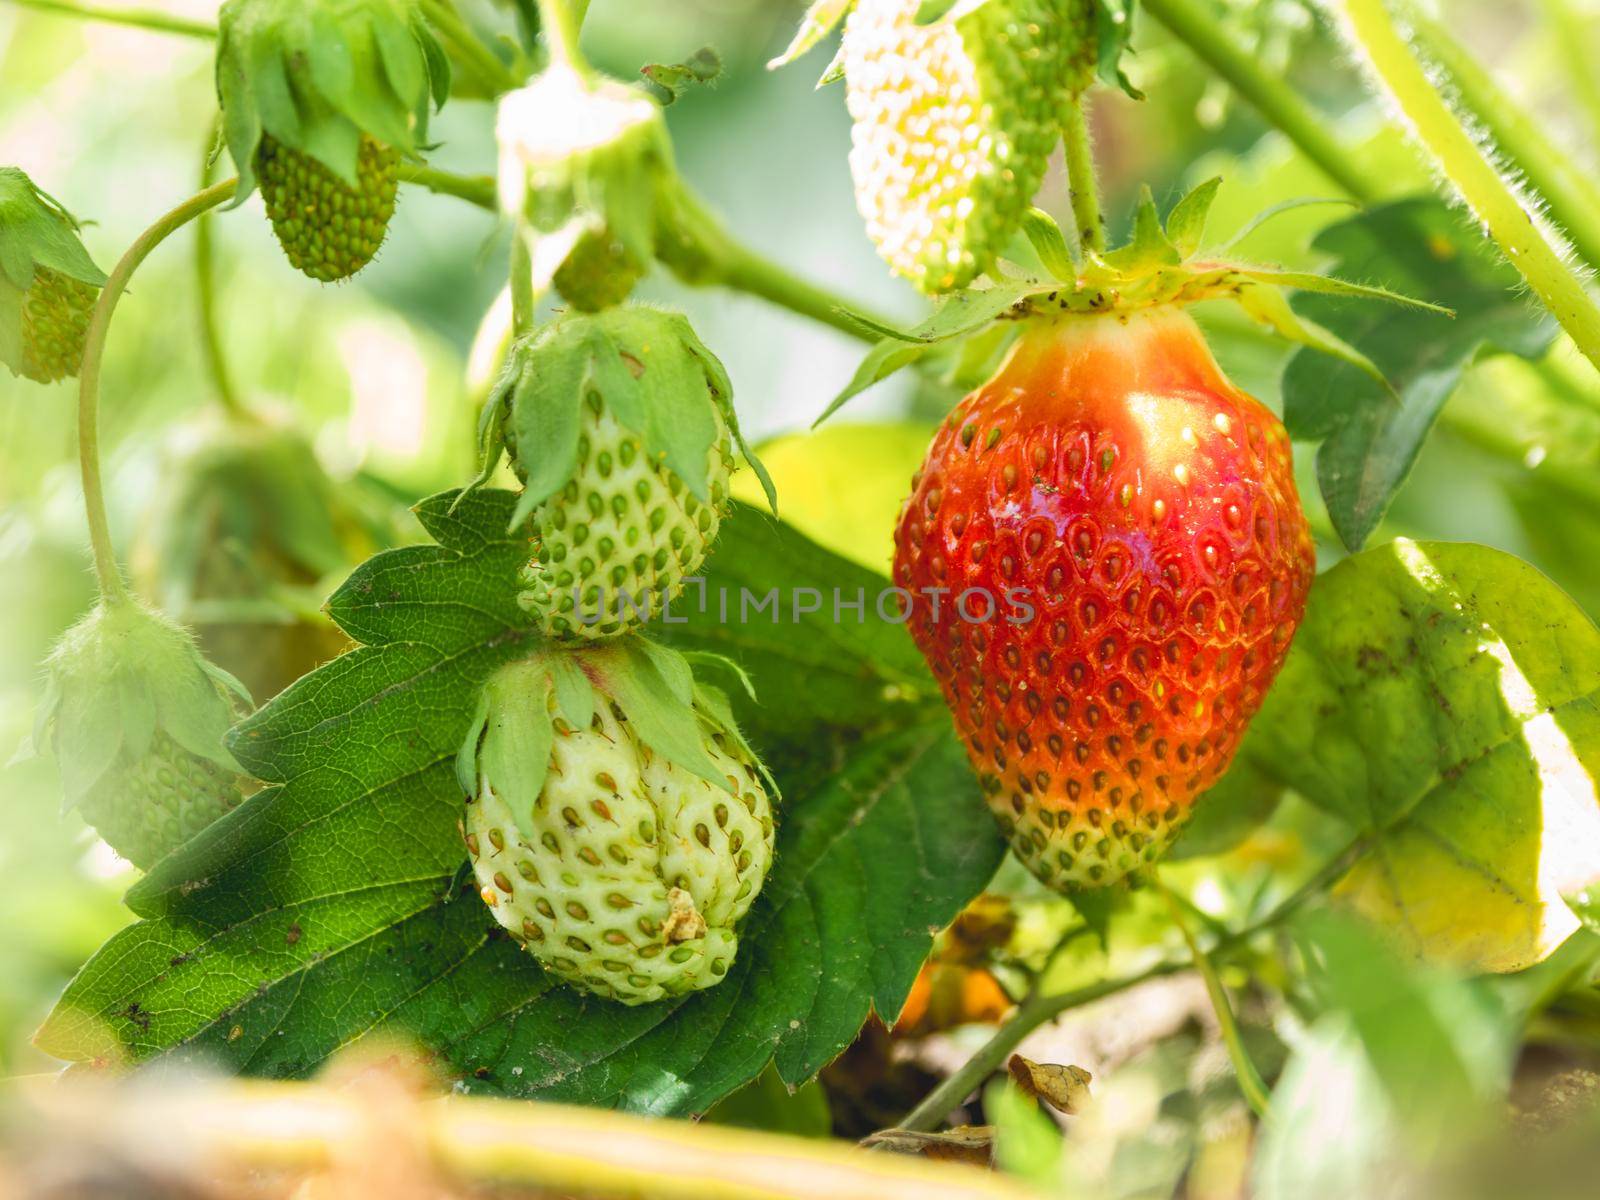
[[1491, 199], [491, 72], [1086, 217], [1039, 1009], [1255, 1091], [94, 345], [1193, 24], [139, 18], [1573, 200]]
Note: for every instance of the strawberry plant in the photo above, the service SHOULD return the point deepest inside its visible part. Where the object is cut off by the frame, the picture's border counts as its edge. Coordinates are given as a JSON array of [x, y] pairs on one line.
[[1155, 754]]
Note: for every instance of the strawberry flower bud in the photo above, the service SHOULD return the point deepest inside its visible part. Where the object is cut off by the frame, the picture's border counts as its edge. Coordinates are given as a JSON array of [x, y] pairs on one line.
[[582, 163]]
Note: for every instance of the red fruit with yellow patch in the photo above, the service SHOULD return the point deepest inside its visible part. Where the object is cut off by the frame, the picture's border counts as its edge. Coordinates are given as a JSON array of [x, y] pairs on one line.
[[1123, 525]]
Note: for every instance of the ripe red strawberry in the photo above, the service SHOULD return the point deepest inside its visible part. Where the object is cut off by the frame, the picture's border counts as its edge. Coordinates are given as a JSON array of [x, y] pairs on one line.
[[1110, 478]]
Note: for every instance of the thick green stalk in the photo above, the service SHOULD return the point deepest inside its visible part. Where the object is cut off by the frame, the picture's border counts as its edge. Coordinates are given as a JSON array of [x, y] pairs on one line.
[[521, 280], [724, 261], [94, 345], [1491, 199], [561, 22], [1038, 1009], [139, 18], [1193, 24], [206, 299], [1086, 216], [474, 189], [1573, 200], [1244, 1070]]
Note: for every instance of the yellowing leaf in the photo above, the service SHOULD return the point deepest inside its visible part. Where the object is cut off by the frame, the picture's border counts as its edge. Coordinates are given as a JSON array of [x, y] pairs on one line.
[[1445, 699]]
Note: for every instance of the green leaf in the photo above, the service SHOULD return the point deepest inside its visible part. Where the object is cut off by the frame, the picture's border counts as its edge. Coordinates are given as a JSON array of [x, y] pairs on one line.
[[1369, 442], [1444, 701], [328, 906]]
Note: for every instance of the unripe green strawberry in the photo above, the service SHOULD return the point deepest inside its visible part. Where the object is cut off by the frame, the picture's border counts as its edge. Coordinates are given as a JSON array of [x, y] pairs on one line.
[[320, 100], [135, 718], [1109, 559], [55, 318], [328, 230], [146, 805], [622, 863], [48, 283], [622, 428], [954, 122], [598, 271], [624, 529]]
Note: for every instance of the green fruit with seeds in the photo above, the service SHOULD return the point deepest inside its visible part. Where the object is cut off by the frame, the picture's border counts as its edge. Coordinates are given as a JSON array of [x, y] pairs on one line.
[[135, 717], [328, 229], [48, 283], [617, 831], [622, 428], [954, 122], [320, 101]]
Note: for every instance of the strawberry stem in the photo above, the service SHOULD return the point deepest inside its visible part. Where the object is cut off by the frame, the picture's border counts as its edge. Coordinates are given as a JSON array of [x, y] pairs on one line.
[[156, 22], [1491, 199], [1040, 1008], [522, 297], [1191, 23], [1086, 217], [562, 22], [474, 189], [206, 298], [1573, 200], [109, 575], [1574, 43], [1255, 1091]]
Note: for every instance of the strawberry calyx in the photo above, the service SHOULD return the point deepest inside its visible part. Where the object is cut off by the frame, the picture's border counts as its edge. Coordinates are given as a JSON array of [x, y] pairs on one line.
[[1163, 263], [316, 76]]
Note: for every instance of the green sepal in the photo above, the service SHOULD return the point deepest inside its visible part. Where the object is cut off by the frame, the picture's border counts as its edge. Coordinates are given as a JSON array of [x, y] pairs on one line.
[[650, 371], [657, 700], [35, 231], [933, 11], [1048, 243], [118, 677], [1162, 263], [318, 74], [820, 20], [514, 750], [1113, 33], [509, 740]]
